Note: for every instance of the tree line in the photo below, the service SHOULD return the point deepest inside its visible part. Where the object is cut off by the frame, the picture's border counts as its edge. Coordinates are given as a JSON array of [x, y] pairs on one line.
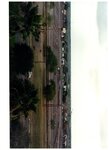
[[23, 21]]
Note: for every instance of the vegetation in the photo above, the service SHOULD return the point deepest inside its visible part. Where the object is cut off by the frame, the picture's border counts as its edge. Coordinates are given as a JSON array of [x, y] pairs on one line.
[[23, 97], [21, 57], [50, 90], [53, 124], [51, 60], [24, 19], [49, 19]]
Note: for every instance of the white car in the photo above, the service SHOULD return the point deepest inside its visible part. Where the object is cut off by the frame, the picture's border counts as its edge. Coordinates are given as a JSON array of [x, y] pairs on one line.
[[65, 143], [29, 75], [62, 49], [62, 54], [62, 35], [64, 12], [65, 119], [58, 68], [64, 30], [65, 87]]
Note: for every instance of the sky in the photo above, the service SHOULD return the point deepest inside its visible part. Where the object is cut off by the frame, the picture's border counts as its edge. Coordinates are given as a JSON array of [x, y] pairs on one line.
[[89, 74], [102, 21]]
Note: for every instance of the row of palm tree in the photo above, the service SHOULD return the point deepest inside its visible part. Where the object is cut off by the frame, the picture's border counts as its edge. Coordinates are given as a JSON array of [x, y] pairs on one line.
[[23, 20]]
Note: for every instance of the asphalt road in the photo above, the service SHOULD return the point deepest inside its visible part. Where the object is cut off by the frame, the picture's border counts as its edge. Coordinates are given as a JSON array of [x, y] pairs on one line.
[[55, 112]]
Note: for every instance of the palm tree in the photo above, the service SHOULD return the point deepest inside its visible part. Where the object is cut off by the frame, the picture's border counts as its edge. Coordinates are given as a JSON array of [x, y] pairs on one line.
[[25, 20], [25, 100], [21, 57]]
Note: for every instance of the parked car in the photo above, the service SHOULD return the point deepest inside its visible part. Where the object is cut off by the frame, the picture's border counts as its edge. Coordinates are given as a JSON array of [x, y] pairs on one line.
[[63, 49], [62, 55], [29, 75], [65, 136], [64, 11], [65, 143], [63, 61]]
